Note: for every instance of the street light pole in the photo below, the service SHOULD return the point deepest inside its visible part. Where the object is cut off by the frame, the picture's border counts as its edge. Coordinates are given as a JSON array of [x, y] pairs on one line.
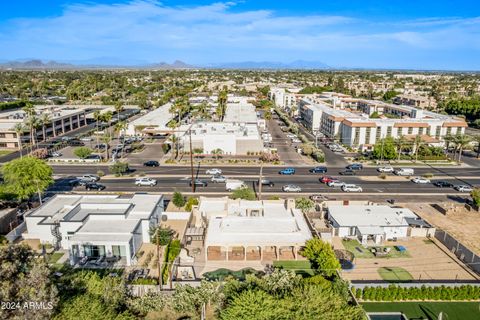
[[191, 160], [260, 182]]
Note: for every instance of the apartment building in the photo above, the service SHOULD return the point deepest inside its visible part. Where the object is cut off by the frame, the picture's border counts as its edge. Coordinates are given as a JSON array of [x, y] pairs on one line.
[[415, 100], [95, 226], [240, 110], [54, 120]]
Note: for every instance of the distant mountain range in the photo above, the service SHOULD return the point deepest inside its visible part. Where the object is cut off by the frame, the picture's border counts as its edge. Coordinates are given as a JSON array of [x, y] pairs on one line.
[[104, 63]]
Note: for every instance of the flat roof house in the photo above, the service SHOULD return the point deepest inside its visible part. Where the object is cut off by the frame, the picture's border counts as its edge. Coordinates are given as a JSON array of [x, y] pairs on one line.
[[252, 230], [96, 226], [152, 122], [374, 222]]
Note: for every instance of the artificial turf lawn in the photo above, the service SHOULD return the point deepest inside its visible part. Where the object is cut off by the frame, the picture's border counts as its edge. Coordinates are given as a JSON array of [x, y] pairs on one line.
[[394, 274]]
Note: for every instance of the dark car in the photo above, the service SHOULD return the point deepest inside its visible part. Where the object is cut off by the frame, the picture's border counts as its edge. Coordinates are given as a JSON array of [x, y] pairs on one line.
[[198, 183], [318, 170], [443, 184], [94, 186], [151, 163], [74, 182], [347, 172], [266, 182], [75, 143], [354, 166]]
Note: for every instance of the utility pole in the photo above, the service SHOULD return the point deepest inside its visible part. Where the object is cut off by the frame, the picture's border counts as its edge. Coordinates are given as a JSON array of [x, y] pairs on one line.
[[381, 157], [191, 159], [260, 182], [159, 259]]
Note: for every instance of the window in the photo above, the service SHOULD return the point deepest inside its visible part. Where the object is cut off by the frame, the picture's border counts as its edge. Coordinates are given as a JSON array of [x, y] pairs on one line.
[[410, 130], [428, 131], [357, 137], [367, 136], [378, 134], [449, 130], [2, 135], [389, 131], [437, 132], [94, 251], [420, 131]]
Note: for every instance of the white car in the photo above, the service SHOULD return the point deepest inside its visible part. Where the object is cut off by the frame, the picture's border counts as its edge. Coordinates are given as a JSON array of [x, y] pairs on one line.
[[463, 188], [219, 178], [295, 140], [291, 188], [145, 182], [351, 188], [86, 139], [420, 180], [335, 183], [385, 169], [214, 171], [89, 178], [56, 154]]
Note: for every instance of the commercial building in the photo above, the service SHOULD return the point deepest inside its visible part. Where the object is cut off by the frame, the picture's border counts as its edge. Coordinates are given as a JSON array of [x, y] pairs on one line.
[[416, 100], [240, 110], [376, 223], [54, 120], [230, 138], [153, 122], [251, 230], [96, 225]]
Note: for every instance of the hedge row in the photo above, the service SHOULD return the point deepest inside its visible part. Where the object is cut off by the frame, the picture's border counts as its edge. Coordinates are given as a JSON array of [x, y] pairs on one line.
[[12, 105], [396, 293]]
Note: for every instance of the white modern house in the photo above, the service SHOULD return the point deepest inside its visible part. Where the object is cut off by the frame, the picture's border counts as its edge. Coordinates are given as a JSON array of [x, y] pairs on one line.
[[376, 223], [153, 122], [240, 110], [251, 230], [96, 225]]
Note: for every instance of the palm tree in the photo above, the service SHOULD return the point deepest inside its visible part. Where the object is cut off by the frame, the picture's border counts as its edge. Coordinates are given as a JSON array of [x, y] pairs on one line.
[[118, 109], [461, 141], [217, 153], [400, 142], [222, 103], [448, 140], [32, 123], [29, 110], [119, 127], [174, 139], [107, 138], [19, 130], [417, 143], [476, 139], [97, 116], [45, 120]]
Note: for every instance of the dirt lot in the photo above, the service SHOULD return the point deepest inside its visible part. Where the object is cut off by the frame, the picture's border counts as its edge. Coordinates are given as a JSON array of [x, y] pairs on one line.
[[463, 225], [427, 261]]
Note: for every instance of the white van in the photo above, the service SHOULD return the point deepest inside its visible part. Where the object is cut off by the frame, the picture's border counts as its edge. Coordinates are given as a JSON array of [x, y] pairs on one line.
[[233, 184], [404, 172]]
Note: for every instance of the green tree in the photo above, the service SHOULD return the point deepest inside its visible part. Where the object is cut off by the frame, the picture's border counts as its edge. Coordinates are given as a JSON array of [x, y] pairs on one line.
[[19, 130], [385, 149], [400, 142], [322, 257], [190, 203], [253, 304], [243, 193], [304, 204], [389, 95], [476, 196], [119, 168], [82, 152], [307, 148], [190, 300], [178, 199], [160, 235], [217, 153], [461, 141], [25, 279], [476, 139], [27, 176]]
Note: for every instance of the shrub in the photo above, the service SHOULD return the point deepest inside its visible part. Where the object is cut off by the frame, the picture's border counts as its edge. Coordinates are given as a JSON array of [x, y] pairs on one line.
[[383, 176], [396, 293], [428, 175], [119, 168], [40, 153], [243, 193], [190, 203], [100, 173], [82, 152], [178, 199]]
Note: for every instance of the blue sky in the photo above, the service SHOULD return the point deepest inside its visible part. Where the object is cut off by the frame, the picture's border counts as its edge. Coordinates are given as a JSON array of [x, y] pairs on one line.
[[370, 34]]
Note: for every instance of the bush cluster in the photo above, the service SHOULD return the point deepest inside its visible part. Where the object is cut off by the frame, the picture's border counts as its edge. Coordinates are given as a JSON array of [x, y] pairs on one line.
[[397, 293]]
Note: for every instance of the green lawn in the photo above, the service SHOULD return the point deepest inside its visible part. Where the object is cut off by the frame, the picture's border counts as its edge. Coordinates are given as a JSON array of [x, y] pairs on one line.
[[222, 273], [5, 152], [394, 274], [54, 257], [360, 252], [302, 267], [428, 310]]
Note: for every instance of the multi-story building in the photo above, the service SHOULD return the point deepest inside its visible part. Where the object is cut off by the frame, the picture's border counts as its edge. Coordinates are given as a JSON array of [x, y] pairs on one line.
[[53, 120], [415, 100], [95, 226]]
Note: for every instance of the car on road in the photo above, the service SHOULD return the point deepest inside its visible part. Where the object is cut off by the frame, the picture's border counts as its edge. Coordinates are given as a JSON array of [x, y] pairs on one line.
[[218, 179], [351, 188], [265, 182], [291, 188], [385, 169], [296, 140], [89, 178], [86, 139], [326, 179], [151, 163], [198, 183], [463, 188], [94, 186], [404, 172], [145, 182], [420, 180], [336, 183], [234, 184], [354, 166], [75, 143], [74, 182], [443, 184], [318, 170], [287, 171], [56, 154], [214, 171], [318, 197], [347, 172]]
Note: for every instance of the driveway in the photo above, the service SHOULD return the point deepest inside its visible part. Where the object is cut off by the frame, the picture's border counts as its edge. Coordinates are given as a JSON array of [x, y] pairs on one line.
[[284, 147]]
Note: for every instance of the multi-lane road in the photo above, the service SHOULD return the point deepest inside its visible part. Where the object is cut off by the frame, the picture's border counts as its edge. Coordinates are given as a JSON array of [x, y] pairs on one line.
[[171, 178]]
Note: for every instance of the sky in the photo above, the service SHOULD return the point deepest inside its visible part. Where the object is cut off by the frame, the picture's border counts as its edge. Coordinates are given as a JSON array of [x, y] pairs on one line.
[[390, 34]]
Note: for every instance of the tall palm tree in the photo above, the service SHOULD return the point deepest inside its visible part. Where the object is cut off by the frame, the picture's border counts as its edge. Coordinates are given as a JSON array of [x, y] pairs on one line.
[[118, 109], [29, 110], [19, 130], [417, 143], [174, 139], [44, 121], [32, 123], [400, 142], [222, 102], [461, 141], [119, 128], [476, 139], [97, 116], [107, 138], [449, 139]]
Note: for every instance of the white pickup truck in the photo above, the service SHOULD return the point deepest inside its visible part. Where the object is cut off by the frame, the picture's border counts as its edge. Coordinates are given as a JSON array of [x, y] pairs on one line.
[[233, 184]]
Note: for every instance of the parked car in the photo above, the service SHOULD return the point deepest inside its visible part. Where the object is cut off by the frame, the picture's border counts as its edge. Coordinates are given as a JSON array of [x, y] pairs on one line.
[[265, 182], [234, 184], [348, 172], [326, 179], [354, 166], [199, 183], [404, 172], [318, 197], [151, 163], [219, 179], [291, 188], [89, 178], [287, 171], [463, 188], [101, 146], [351, 188], [318, 170], [336, 183], [86, 139], [75, 182], [56, 154], [385, 169], [420, 180], [214, 171], [145, 182], [94, 186], [443, 184]]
